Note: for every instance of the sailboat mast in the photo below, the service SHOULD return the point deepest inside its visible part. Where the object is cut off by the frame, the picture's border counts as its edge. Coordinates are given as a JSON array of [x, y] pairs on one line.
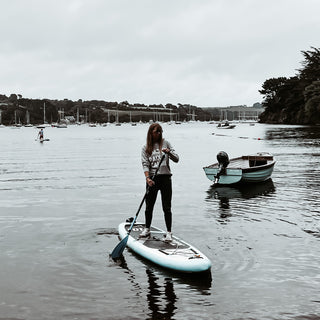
[[44, 112]]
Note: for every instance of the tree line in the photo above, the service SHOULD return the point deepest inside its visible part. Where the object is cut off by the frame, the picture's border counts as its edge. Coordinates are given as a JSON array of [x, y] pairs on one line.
[[294, 100], [15, 108]]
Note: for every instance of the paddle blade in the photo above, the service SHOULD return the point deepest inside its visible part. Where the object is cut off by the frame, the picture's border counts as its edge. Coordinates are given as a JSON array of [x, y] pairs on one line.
[[117, 251]]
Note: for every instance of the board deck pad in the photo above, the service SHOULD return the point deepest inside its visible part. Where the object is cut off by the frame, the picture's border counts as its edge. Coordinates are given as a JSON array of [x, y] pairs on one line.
[[155, 241]]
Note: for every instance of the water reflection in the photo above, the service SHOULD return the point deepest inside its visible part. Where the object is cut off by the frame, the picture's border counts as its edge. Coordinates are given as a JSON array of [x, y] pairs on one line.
[[161, 299], [121, 262], [244, 191], [304, 135], [161, 295]]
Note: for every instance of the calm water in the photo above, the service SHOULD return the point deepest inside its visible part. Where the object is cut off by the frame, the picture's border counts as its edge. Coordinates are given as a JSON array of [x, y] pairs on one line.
[[61, 203]]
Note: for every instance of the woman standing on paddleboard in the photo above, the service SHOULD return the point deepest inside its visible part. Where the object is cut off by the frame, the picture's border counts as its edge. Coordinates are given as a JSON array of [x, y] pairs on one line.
[[150, 156], [40, 134]]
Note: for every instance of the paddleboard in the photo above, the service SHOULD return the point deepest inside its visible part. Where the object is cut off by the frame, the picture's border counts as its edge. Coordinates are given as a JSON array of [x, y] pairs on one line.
[[176, 255]]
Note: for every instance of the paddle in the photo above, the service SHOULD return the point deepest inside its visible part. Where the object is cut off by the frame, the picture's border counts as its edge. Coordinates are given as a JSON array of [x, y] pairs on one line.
[[117, 251]]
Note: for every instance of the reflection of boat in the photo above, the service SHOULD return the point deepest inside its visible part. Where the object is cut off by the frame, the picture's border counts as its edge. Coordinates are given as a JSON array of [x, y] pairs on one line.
[[241, 191], [246, 169]]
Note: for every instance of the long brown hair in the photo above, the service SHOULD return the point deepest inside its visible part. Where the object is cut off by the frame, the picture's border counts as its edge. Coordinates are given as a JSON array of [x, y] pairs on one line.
[[150, 140]]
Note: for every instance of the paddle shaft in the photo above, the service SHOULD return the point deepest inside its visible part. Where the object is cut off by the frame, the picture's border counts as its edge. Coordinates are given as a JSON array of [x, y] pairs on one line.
[[117, 251], [144, 197]]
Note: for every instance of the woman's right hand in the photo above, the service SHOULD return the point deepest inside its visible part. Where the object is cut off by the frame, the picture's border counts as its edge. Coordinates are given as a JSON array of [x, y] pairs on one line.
[[150, 182]]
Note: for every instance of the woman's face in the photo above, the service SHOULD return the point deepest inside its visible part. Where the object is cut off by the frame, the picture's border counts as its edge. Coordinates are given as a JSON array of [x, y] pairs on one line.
[[156, 134]]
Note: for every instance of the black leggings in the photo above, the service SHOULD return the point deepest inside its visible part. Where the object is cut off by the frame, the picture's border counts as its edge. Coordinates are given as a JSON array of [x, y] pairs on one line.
[[162, 183]]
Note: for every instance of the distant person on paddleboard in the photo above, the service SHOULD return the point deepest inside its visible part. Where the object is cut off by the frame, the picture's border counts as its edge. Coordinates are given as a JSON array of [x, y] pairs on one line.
[[40, 134], [151, 154]]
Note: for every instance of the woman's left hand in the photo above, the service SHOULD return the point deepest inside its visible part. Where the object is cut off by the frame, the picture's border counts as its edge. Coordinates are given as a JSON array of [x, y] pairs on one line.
[[166, 150]]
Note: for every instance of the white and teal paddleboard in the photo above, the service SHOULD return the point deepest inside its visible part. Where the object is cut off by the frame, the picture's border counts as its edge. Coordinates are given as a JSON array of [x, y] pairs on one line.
[[177, 255]]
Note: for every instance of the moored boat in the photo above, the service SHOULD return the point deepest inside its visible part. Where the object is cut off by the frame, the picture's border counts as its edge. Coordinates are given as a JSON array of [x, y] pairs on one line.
[[62, 125], [246, 169], [225, 125]]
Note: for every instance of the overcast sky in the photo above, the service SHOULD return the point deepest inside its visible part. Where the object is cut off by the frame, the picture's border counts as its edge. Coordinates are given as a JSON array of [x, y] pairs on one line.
[[208, 53]]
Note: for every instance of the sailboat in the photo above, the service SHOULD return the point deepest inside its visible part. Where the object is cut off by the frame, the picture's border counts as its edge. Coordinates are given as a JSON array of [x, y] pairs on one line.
[[61, 123], [16, 125], [1, 125], [28, 124], [45, 123], [117, 119], [132, 123], [78, 118]]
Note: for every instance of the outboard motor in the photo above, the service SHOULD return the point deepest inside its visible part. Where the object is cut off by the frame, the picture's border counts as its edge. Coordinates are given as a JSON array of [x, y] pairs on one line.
[[223, 160]]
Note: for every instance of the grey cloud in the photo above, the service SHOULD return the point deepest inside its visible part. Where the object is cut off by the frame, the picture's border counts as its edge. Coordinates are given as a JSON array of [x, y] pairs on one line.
[[208, 53]]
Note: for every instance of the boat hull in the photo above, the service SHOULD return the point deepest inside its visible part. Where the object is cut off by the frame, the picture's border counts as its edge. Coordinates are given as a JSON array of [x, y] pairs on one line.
[[232, 175], [177, 255], [257, 175], [231, 126]]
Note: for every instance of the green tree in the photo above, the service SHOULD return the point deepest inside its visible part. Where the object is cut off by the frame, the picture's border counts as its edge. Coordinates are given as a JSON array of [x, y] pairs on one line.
[[294, 100], [311, 65], [271, 89], [312, 102]]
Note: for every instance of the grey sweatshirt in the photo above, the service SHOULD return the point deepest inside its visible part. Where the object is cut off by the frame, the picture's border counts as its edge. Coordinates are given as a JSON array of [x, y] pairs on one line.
[[150, 163]]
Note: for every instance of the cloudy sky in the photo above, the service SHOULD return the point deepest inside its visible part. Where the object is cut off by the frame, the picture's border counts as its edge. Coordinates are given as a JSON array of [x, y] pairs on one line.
[[208, 53]]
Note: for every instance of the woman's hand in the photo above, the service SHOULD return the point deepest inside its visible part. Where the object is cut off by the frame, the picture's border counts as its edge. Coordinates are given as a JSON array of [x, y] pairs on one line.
[[150, 182], [166, 150]]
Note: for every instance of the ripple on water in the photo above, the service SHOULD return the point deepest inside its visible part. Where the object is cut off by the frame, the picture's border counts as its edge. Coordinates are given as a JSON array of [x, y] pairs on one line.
[[61, 204]]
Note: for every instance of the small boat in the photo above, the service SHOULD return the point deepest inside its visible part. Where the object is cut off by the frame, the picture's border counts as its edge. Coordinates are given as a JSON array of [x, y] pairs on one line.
[[225, 125], [62, 126], [246, 169], [43, 126], [177, 255]]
